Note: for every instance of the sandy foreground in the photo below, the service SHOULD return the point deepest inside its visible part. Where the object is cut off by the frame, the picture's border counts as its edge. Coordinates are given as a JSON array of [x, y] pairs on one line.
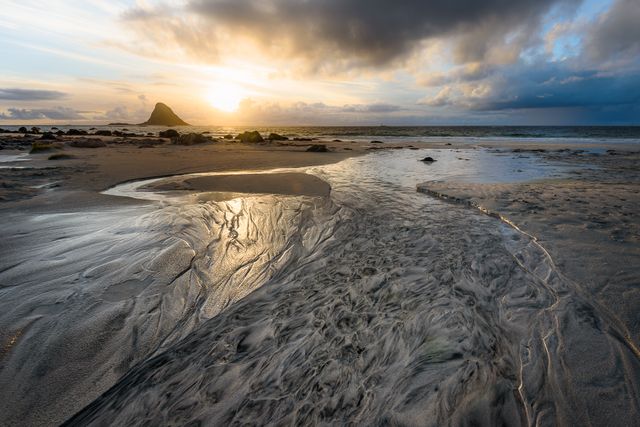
[[587, 221]]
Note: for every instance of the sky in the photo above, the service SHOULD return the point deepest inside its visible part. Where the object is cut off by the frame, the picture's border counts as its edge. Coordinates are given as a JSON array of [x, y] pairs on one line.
[[322, 62]]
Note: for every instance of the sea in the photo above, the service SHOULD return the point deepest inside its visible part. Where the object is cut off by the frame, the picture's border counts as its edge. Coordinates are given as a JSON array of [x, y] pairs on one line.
[[389, 133]]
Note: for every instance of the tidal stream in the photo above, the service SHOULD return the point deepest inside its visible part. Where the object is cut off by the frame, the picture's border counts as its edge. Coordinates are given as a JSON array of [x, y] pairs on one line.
[[377, 305]]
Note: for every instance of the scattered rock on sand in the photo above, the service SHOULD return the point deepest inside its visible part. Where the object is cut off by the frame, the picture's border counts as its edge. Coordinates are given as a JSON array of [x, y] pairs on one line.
[[22, 129], [228, 136], [60, 156], [190, 139], [428, 160], [87, 143], [376, 142], [318, 148], [251, 137], [103, 132], [76, 132], [49, 136], [169, 133], [38, 147], [277, 137]]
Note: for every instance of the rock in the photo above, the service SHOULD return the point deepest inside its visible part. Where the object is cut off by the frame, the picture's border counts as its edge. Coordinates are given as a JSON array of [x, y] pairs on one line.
[[38, 147], [103, 132], [169, 133], [60, 133], [76, 132], [120, 124], [302, 139], [190, 139], [22, 129], [49, 136], [87, 143], [428, 160], [252, 137], [228, 136], [162, 115], [376, 142], [277, 137], [337, 140], [317, 148], [117, 133], [61, 156], [35, 130]]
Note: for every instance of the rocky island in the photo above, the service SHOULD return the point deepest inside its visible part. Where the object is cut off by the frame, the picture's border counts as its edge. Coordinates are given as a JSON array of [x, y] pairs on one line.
[[162, 115]]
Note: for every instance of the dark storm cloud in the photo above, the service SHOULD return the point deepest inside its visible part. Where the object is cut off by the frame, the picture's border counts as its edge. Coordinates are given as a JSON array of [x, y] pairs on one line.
[[542, 85], [14, 94], [617, 32], [358, 32], [56, 113]]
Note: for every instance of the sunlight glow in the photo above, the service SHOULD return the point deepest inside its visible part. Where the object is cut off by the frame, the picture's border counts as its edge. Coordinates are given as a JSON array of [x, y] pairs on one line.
[[226, 97]]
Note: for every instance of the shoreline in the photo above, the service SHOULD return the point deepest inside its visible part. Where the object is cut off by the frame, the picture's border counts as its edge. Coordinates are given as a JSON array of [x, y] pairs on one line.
[[79, 178]]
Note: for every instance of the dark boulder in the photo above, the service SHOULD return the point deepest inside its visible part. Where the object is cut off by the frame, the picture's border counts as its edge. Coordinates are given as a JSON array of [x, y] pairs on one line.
[[35, 130], [103, 133], [277, 137], [376, 142], [87, 143], [48, 136], [190, 139], [251, 137], [428, 160], [60, 132], [317, 148], [76, 132], [169, 133], [228, 136], [22, 129]]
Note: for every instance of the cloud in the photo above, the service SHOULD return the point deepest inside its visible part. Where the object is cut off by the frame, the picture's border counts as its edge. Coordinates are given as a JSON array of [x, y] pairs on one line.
[[316, 113], [616, 32], [122, 113], [55, 113], [15, 94], [540, 85], [340, 34]]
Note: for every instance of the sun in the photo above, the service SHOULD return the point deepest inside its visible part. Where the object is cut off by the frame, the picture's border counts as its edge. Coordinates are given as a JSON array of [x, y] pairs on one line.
[[226, 97]]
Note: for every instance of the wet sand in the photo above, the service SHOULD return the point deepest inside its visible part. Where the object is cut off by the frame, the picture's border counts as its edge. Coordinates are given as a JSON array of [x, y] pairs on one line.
[[292, 184], [95, 284], [588, 221]]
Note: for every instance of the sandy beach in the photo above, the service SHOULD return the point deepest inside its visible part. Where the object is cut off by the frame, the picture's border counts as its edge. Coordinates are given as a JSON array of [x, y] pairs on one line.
[[149, 276]]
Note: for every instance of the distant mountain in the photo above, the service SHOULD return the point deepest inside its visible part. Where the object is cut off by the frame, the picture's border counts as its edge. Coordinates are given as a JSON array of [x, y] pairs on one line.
[[162, 115]]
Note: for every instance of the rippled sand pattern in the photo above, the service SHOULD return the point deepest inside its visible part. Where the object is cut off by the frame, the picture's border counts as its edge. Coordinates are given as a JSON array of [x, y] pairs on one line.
[[403, 310], [377, 305]]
